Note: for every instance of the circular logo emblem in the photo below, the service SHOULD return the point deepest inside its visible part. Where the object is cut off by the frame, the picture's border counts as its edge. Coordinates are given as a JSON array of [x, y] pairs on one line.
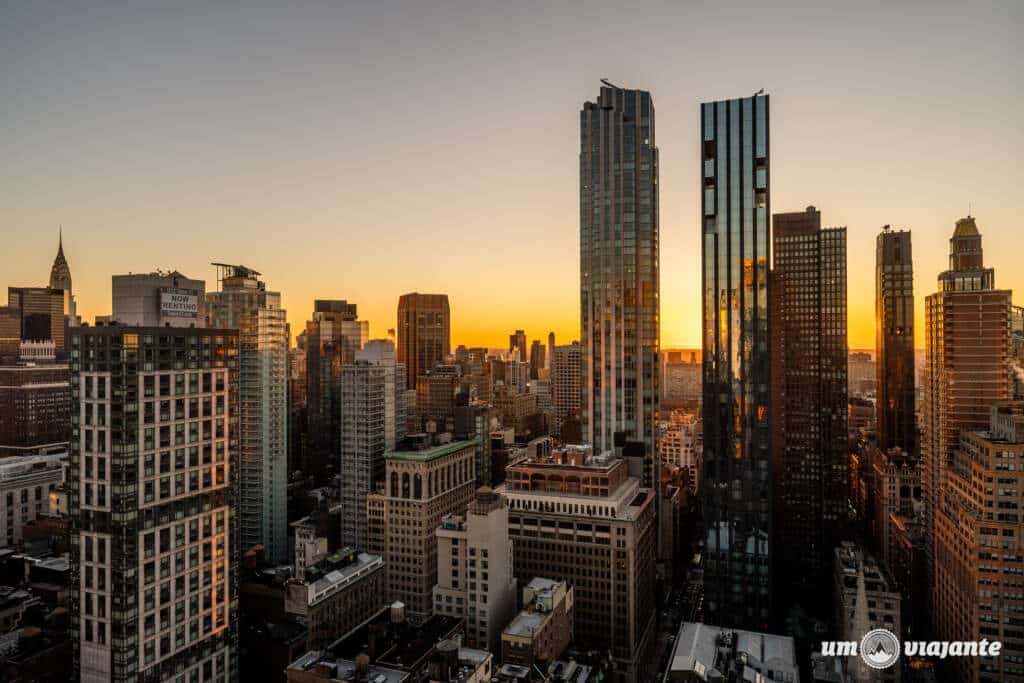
[[879, 648]]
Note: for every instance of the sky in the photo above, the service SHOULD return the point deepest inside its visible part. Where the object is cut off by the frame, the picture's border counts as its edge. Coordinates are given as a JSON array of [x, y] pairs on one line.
[[364, 150]]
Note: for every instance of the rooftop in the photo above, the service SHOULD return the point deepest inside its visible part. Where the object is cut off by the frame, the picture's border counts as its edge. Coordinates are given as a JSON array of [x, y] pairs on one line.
[[397, 645], [337, 571], [345, 669], [732, 654], [431, 452]]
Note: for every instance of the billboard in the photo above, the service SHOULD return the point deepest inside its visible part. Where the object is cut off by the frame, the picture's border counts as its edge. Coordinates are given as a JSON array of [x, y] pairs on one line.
[[179, 303]]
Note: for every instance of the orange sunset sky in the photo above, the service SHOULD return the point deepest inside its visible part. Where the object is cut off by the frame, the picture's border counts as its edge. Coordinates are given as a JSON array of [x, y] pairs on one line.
[[362, 151]]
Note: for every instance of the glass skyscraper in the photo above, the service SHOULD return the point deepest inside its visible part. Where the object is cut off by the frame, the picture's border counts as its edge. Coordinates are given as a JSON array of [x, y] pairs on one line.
[[894, 341], [619, 278], [244, 304], [736, 357]]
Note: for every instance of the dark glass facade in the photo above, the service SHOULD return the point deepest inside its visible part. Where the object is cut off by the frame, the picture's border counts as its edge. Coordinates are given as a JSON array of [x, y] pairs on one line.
[[736, 362], [619, 278], [894, 341], [809, 400]]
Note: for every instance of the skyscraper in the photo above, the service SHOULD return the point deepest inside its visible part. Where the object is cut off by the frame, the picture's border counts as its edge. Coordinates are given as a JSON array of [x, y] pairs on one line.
[[244, 304], [41, 314], [967, 348], [60, 278], [619, 277], [332, 338], [151, 497], [894, 341], [737, 487], [517, 345], [566, 368], [809, 396], [424, 333], [372, 398], [537, 359]]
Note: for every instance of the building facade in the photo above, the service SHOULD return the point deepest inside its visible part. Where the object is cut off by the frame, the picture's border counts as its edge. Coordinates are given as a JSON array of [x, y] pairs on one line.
[[151, 491], [424, 333], [34, 409], [474, 569], [25, 487], [336, 594], [894, 341], [372, 423], [244, 304], [967, 347], [979, 547], [584, 520], [566, 371], [40, 314], [866, 598], [423, 483], [158, 299], [619, 273], [543, 629], [809, 397], [736, 353], [332, 338]]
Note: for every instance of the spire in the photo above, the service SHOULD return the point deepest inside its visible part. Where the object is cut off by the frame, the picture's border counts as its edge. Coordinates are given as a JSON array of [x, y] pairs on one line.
[[60, 273]]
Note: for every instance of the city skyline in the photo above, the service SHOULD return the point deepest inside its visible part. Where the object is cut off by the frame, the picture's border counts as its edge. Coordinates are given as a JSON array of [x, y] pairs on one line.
[[110, 167]]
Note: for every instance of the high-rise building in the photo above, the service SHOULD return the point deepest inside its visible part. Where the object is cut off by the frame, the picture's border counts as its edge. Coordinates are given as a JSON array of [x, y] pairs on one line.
[[332, 338], [40, 311], [966, 371], [435, 396], [978, 546], [736, 355], [619, 273], [517, 345], [585, 520], [895, 418], [517, 374], [537, 359], [474, 569], [423, 483], [424, 333], [550, 356], [151, 496], [473, 421], [566, 369], [60, 278], [372, 423], [244, 304], [809, 397]]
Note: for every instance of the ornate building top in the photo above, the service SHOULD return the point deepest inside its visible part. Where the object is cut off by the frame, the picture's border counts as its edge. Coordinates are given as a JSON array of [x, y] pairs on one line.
[[60, 273]]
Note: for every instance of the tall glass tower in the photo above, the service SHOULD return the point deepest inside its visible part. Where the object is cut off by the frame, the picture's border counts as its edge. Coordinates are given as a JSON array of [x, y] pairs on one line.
[[619, 279], [736, 350], [244, 304], [894, 341]]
